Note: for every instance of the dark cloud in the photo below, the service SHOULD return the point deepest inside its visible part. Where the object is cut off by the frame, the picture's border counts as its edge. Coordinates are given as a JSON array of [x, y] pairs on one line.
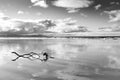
[[106, 4]]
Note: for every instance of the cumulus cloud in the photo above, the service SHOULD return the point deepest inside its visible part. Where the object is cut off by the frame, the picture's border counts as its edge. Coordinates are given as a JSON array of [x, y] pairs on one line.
[[21, 26], [16, 25], [5, 22], [6, 25], [114, 15], [113, 28], [20, 12], [73, 4], [98, 6], [41, 3], [67, 25]]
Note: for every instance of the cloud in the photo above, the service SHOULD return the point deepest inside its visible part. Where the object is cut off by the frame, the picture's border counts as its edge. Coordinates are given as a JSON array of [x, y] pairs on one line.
[[73, 4], [5, 22], [66, 26], [114, 15], [6, 25], [113, 28], [72, 10], [20, 12], [21, 26], [16, 25], [3, 17], [41, 3], [2, 14], [34, 1], [98, 6], [105, 29]]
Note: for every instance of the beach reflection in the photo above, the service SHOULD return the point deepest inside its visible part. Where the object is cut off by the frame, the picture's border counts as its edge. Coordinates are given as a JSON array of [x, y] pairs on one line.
[[75, 59]]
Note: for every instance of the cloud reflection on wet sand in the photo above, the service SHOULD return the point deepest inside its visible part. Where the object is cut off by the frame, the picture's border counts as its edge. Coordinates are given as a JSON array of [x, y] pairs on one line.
[[75, 59]]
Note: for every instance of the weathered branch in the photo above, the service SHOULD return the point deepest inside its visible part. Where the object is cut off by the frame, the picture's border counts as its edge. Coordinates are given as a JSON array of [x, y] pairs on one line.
[[33, 56]]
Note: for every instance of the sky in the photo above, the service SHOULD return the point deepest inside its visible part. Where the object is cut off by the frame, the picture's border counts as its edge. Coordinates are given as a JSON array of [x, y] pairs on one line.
[[92, 14]]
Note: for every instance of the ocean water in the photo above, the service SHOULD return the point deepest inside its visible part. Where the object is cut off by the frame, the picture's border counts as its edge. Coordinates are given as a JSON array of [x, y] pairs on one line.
[[74, 59]]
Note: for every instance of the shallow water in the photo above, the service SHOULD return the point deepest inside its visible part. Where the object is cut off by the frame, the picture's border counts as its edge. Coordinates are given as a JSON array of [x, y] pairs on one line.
[[75, 59]]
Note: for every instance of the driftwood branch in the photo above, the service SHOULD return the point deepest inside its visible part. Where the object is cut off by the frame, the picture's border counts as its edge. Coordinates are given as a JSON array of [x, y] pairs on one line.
[[33, 56]]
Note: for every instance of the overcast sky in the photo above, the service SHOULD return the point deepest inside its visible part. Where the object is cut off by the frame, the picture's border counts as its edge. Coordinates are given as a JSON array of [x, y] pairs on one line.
[[90, 13]]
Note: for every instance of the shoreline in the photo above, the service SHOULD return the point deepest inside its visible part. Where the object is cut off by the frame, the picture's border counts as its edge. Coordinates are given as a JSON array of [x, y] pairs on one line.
[[64, 37]]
